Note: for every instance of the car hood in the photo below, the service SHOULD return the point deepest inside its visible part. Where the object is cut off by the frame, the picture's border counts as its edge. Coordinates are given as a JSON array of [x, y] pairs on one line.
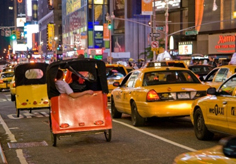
[[212, 155]]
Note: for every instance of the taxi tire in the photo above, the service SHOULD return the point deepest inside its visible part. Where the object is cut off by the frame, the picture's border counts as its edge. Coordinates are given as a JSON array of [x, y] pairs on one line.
[[114, 111], [200, 129], [137, 120]]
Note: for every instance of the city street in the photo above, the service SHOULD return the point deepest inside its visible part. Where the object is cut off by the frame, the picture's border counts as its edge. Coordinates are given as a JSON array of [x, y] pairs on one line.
[[27, 140]]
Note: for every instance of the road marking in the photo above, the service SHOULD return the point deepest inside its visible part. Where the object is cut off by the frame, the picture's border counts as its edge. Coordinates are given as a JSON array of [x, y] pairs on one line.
[[11, 136], [156, 136], [28, 115]]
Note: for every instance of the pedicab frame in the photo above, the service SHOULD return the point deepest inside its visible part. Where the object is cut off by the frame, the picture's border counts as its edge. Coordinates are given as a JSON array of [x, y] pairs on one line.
[[30, 93], [88, 113]]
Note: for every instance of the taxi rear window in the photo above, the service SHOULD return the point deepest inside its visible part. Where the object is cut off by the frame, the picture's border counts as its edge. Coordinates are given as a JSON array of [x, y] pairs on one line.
[[34, 74], [115, 72], [169, 77]]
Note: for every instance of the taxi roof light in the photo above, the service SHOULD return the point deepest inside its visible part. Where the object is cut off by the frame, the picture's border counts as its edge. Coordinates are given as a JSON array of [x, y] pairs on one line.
[[152, 96]]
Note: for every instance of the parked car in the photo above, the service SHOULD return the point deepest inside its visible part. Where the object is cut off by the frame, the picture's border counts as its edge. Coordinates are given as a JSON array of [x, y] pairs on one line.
[[115, 73], [224, 153], [215, 112], [218, 75], [156, 92], [201, 70]]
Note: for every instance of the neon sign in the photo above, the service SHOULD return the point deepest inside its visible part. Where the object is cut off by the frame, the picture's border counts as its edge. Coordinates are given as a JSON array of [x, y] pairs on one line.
[[226, 44]]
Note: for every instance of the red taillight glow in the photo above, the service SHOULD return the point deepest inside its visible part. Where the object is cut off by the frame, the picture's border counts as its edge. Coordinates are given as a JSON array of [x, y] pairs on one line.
[[64, 125], [1, 81], [99, 122], [14, 85], [152, 96], [35, 103], [45, 102], [24, 103]]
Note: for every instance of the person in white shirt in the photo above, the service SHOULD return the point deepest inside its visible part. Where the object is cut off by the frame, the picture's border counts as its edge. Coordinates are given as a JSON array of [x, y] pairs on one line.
[[64, 87]]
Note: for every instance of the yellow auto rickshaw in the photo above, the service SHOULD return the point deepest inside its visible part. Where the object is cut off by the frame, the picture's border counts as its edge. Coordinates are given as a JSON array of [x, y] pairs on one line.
[[31, 87]]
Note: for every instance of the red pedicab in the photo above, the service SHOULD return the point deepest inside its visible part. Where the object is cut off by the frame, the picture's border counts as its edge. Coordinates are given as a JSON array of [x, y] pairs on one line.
[[88, 113]]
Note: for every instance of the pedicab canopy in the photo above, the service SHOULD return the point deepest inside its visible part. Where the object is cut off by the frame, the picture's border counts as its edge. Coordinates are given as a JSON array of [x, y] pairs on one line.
[[95, 81], [30, 73]]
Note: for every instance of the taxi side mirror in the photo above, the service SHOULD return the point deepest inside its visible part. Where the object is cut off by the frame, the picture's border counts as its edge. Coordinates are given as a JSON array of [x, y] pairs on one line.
[[116, 84], [201, 78], [211, 91], [229, 145]]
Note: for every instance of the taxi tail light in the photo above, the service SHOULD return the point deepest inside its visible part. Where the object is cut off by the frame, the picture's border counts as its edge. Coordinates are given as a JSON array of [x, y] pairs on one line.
[[1, 81], [64, 125], [14, 85], [24, 103], [152, 96]]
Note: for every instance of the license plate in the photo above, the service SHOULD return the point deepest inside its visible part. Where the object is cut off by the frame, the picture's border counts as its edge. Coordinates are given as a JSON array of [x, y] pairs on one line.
[[183, 96]]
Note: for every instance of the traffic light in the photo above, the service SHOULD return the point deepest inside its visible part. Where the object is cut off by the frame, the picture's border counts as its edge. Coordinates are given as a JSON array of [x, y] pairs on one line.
[[109, 26], [18, 35], [13, 35]]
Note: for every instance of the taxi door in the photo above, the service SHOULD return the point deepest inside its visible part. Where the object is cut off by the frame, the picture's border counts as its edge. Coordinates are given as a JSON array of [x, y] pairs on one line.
[[231, 105], [128, 92], [216, 113]]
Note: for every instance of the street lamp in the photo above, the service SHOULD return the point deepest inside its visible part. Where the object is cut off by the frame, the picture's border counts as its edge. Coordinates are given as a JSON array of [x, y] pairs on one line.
[[166, 23], [110, 18]]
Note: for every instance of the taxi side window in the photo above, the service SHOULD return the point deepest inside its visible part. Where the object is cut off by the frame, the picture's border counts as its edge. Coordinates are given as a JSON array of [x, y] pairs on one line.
[[125, 80], [221, 75], [211, 75], [132, 79], [228, 87]]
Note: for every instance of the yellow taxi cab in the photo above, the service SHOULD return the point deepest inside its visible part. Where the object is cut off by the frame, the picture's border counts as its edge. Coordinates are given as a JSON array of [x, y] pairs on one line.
[[13, 89], [5, 79], [156, 92], [224, 153], [218, 75], [115, 73], [215, 112], [170, 63]]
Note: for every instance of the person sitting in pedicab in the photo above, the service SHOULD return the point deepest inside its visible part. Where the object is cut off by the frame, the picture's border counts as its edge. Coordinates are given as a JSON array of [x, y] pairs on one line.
[[64, 87], [77, 84]]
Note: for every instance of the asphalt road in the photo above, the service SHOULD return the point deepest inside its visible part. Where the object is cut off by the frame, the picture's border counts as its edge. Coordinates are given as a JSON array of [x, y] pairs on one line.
[[28, 140]]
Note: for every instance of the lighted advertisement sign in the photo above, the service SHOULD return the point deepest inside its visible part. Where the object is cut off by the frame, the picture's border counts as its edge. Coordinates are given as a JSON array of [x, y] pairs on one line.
[[185, 48], [220, 13], [72, 6], [29, 8], [172, 4], [20, 22], [21, 8], [50, 36], [31, 28], [221, 43], [35, 10]]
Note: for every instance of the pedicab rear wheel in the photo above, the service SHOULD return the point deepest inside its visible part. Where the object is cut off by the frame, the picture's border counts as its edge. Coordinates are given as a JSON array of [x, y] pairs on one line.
[[107, 134], [54, 139]]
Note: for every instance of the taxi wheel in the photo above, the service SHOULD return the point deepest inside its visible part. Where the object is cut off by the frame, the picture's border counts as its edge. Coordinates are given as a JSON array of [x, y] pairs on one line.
[[107, 134], [114, 112], [200, 129], [137, 120], [54, 139]]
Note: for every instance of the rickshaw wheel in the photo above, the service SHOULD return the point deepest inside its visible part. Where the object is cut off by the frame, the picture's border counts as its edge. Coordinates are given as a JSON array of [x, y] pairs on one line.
[[107, 134], [54, 139], [18, 112]]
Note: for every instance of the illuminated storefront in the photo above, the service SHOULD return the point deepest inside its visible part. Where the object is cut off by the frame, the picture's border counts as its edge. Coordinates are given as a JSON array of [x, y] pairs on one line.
[[82, 25]]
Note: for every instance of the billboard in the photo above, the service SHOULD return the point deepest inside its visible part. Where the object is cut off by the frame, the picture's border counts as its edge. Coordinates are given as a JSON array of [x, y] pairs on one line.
[[50, 36], [185, 48], [214, 15], [21, 8]]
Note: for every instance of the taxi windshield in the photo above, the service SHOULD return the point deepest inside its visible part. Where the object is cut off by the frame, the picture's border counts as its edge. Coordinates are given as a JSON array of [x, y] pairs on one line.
[[115, 72], [169, 77]]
